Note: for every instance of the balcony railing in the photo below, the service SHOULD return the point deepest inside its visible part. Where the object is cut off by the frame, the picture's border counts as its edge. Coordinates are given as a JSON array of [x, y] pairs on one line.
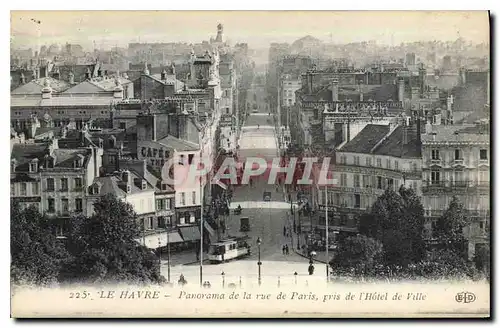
[[455, 184], [470, 213]]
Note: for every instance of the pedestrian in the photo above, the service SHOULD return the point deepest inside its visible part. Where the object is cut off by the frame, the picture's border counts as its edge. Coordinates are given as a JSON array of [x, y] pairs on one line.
[[283, 249], [287, 251], [284, 231]]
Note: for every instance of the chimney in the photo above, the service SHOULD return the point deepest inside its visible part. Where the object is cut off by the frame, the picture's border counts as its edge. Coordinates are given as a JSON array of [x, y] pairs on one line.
[[47, 90], [463, 76], [146, 69], [449, 103], [118, 91], [164, 75], [88, 74], [126, 178], [71, 77], [125, 75], [335, 90], [23, 78], [38, 72], [428, 128], [361, 89], [401, 90], [182, 126]]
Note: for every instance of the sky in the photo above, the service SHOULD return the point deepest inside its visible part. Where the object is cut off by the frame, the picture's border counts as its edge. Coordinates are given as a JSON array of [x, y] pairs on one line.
[[257, 28]]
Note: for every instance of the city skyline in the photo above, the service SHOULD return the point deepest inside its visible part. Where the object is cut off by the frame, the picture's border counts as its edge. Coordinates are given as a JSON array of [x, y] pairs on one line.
[[108, 29]]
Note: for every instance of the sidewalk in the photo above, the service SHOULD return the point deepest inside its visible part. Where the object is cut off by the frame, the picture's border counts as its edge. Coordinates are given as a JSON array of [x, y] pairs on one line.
[[320, 255]]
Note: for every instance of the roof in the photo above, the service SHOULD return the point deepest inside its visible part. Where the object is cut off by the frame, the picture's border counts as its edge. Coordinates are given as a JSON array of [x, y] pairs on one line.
[[24, 153], [67, 157], [169, 79], [60, 101], [55, 129], [458, 133], [178, 144], [393, 145], [443, 82], [382, 92], [111, 184], [190, 233], [366, 139], [36, 86]]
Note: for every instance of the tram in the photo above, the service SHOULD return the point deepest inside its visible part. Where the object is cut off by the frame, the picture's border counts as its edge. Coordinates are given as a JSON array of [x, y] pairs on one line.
[[228, 249]]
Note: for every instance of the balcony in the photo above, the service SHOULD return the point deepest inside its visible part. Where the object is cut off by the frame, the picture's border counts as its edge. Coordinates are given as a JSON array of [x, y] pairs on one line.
[[452, 185], [458, 161], [436, 161]]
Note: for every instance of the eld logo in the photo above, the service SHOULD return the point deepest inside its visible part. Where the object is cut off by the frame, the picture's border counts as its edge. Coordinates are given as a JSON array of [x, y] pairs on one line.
[[465, 297]]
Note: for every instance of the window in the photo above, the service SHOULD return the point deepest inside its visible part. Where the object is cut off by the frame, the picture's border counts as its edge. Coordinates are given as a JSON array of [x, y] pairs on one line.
[[366, 181], [343, 179], [190, 159], [484, 177], [379, 162], [181, 159], [388, 163], [160, 204], [24, 189], [458, 154], [168, 204], [414, 167], [50, 184], [64, 184], [356, 160], [343, 159], [33, 167], [182, 198], [65, 205], [193, 197], [78, 183], [414, 185], [483, 154], [379, 182], [435, 154], [12, 189], [35, 188], [123, 126], [435, 177], [357, 201], [78, 205], [51, 205], [356, 180]]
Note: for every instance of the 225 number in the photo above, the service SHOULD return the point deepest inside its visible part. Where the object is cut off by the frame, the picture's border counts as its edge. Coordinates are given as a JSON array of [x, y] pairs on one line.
[[82, 295]]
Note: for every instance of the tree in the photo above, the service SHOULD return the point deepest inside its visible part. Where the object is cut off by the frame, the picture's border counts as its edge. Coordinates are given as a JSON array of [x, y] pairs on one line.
[[360, 253], [104, 246], [36, 254], [449, 228], [482, 259], [396, 220]]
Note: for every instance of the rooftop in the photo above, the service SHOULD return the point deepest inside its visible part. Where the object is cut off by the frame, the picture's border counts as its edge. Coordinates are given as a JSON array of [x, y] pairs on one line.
[[458, 133], [60, 101], [366, 139], [24, 153], [112, 184], [178, 144], [36, 86], [393, 145], [67, 157]]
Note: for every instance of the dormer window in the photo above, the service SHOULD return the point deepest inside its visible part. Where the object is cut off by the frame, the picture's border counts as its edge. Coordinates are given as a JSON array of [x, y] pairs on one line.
[[129, 189], [34, 166], [78, 161], [163, 186], [181, 160], [144, 185], [94, 189]]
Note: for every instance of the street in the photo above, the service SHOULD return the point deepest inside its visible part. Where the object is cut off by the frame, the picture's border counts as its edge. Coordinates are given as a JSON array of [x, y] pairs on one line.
[[267, 219]]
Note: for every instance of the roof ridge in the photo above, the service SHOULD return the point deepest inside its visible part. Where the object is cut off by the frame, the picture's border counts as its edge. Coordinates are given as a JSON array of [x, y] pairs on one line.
[[384, 138]]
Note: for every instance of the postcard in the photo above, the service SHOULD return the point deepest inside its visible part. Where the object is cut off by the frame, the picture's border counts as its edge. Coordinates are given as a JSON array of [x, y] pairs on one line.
[[250, 164]]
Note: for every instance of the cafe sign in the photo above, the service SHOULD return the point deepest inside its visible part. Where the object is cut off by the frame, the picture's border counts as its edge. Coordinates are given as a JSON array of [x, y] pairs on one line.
[[155, 156]]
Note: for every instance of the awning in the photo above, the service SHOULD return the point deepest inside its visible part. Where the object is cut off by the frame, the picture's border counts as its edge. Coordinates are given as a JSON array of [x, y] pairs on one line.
[[160, 239], [190, 233]]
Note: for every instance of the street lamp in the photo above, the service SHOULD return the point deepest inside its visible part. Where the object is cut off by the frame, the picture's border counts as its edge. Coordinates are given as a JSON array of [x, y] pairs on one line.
[[295, 274], [259, 241], [223, 279]]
